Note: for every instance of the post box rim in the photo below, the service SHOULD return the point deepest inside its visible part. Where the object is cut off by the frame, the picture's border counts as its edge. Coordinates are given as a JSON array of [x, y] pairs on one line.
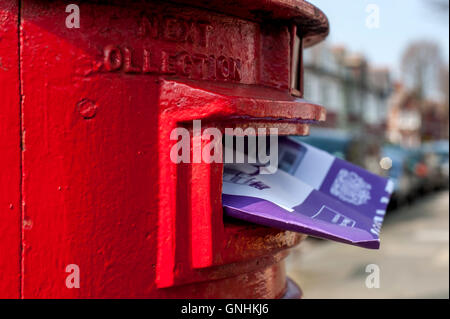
[[312, 23]]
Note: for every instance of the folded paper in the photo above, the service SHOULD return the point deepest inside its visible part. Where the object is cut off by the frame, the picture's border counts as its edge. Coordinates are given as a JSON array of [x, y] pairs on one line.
[[312, 192]]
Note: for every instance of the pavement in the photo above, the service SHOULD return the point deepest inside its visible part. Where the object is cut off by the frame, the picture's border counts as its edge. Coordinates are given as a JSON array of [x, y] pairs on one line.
[[413, 260]]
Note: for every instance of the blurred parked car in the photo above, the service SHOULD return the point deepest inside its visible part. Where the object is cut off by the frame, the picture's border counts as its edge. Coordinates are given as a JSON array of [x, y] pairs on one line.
[[421, 173], [437, 159], [362, 151], [335, 142], [406, 182]]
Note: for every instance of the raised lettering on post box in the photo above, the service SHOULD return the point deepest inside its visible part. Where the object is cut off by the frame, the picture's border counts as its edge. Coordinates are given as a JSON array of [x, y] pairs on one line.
[[219, 49]]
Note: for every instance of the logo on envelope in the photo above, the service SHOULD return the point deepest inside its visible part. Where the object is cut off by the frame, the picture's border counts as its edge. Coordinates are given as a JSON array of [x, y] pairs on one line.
[[351, 188]]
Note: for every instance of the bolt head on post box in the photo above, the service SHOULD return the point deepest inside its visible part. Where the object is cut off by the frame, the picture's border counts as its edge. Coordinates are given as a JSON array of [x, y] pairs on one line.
[[98, 104]]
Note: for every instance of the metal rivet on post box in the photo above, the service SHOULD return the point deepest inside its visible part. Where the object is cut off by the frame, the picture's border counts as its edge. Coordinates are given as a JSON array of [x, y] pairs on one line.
[[87, 108], [135, 223]]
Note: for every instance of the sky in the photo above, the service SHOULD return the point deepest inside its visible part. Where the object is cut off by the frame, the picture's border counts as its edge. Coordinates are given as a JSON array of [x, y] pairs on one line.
[[400, 22]]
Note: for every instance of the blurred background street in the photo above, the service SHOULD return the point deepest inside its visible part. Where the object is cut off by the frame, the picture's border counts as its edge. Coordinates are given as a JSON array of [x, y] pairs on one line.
[[383, 77], [413, 257]]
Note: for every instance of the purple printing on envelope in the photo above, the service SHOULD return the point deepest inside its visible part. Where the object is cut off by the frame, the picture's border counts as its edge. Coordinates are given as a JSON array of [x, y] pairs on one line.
[[312, 192]]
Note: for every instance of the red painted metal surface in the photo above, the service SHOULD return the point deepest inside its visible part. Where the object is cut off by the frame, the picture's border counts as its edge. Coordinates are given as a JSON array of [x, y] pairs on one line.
[[10, 210], [95, 114]]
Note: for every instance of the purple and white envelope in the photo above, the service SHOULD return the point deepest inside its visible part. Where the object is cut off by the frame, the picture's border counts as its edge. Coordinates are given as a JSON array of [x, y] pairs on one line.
[[312, 192]]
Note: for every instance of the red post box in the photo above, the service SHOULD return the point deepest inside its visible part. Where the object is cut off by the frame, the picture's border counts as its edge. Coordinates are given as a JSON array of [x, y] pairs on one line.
[[87, 186]]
